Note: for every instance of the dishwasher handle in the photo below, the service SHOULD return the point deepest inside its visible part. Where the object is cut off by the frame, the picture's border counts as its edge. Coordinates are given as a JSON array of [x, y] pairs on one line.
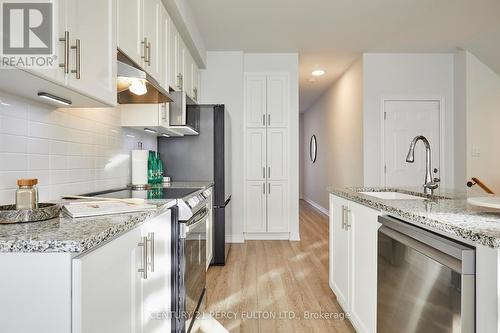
[[456, 256]]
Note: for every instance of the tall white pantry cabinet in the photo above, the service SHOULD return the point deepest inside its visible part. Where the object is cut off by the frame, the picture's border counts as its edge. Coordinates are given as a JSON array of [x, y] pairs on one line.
[[266, 155]]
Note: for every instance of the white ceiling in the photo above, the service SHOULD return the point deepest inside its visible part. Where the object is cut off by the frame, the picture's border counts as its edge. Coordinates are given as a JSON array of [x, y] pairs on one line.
[[331, 34]]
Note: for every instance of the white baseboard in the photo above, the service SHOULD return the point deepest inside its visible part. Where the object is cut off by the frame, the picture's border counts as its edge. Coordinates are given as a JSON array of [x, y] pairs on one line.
[[235, 238], [317, 206], [294, 237], [267, 236]]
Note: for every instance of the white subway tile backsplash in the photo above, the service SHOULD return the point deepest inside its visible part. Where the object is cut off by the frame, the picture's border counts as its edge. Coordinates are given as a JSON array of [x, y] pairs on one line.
[[70, 151], [13, 143]]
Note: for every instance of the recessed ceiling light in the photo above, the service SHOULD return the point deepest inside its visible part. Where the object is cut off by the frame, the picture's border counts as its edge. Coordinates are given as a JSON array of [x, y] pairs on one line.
[[318, 72]]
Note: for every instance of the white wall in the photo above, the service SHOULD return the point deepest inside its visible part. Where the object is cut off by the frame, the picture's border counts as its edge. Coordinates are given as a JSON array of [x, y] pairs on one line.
[[222, 83], [336, 119], [70, 151], [407, 76], [301, 155], [289, 63], [483, 119]]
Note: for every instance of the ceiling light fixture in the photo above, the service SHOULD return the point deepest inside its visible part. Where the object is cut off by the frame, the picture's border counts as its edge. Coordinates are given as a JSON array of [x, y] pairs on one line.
[[318, 72]]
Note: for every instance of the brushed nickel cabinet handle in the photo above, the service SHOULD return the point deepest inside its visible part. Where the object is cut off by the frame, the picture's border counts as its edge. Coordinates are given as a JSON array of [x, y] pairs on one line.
[[269, 119], [263, 188], [164, 112], [144, 56], [263, 120], [77, 70], [269, 188], [347, 224], [149, 53], [151, 240], [268, 172], [343, 217], [179, 81], [264, 172], [65, 64], [144, 269]]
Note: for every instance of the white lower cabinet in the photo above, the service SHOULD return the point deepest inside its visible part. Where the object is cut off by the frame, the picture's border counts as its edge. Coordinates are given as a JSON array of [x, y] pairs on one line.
[[255, 205], [277, 208], [124, 285], [353, 261]]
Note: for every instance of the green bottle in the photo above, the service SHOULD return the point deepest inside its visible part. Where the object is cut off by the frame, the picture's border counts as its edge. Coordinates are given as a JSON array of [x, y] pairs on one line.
[[160, 169], [151, 166]]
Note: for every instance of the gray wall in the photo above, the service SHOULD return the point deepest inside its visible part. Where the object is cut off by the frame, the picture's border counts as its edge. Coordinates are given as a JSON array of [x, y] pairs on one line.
[[336, 119]]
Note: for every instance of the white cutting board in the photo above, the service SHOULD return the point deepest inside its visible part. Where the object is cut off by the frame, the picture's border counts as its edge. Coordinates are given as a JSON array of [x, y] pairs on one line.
[[490, 202]]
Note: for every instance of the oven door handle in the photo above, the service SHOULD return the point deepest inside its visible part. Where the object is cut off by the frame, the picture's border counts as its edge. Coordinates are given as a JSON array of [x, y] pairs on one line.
[[198, 221]]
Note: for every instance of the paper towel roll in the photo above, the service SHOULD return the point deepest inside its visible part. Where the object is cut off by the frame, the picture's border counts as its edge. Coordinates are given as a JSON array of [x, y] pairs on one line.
[[139, 167]]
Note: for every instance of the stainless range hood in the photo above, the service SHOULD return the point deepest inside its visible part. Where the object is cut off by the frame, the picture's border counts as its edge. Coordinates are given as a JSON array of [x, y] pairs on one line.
[[135, 86]]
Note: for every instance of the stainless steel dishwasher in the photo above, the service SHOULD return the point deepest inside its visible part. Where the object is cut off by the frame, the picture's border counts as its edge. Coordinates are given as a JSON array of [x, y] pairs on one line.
[[426, 283]]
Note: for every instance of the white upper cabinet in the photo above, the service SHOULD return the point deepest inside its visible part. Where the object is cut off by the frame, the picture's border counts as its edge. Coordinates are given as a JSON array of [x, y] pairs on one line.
[[181, 63], [92, 27], [256, 154], [166, 49], [255, 100], [153, 37], [188, 73], [277, 154], [277, 100], [196, 82], [173, 57], [58, 75], [130, 30]]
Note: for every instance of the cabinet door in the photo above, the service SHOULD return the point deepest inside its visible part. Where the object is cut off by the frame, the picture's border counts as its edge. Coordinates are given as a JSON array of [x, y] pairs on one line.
[[181, 64], [255, 100], [196, 82], [339, 252], [92, 26], [256, 154], [166, 49], [153, 32], [156, 293], [277, 153], [56, 75], [277, 206], [277, 100], [188, 73], [130, 30], [364, 228], [255, 215], [173, 57], [107, 287]]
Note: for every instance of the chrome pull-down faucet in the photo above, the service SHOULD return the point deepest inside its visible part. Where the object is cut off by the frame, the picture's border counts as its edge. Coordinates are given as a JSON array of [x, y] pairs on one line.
[[430, 185]]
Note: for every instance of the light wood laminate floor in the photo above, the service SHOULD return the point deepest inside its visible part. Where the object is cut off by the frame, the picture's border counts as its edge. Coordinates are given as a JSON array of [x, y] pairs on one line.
[[277, 278]]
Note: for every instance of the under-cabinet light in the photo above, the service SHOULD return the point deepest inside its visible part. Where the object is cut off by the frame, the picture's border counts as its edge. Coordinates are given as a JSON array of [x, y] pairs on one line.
[[54, 98], [149, 130]]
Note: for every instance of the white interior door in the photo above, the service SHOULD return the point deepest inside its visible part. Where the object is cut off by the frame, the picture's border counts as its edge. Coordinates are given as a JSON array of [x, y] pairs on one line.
[[403, 121]]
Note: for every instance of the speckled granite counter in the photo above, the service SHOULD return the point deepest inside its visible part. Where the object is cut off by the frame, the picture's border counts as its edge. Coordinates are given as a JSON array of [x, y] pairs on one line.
[[64, 234], [447, 213]]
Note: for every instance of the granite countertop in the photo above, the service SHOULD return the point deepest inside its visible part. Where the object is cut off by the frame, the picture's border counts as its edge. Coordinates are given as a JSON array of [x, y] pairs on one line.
[[65, 234], [198, 184], [447, 212]]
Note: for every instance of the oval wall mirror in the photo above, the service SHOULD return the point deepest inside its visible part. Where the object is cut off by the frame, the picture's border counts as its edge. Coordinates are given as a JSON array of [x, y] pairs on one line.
[[313, 148]]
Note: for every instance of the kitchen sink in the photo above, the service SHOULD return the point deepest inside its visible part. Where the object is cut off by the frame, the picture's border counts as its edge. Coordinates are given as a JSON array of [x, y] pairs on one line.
[[387, 195]]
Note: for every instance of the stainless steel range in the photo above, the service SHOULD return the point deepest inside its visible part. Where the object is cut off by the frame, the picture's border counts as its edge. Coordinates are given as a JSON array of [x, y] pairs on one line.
[[189, 237]]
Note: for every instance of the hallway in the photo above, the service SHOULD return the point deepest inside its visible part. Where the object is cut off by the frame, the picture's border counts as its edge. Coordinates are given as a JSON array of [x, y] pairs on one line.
[[274, 286]]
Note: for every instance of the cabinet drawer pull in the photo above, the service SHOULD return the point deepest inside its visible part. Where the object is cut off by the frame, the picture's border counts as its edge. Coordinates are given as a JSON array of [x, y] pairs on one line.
[[269, 119], [269, 188], [77, 47], [264, 172], [347, 224], [263, 188], [269, 172], [263, 120], [144, 257], [65, 64], [343, 216], [151, 240]]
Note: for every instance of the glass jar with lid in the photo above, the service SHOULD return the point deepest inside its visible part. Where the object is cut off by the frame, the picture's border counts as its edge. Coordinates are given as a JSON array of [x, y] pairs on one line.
[[27, 194]]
